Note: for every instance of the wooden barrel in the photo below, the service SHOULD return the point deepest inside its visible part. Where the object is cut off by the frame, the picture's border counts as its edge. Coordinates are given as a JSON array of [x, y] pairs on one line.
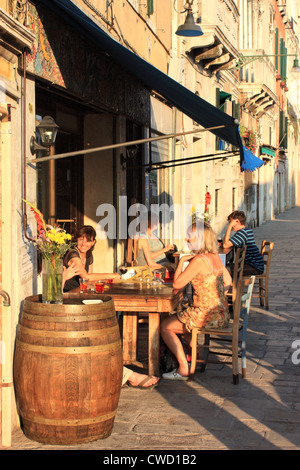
[[68, 369]]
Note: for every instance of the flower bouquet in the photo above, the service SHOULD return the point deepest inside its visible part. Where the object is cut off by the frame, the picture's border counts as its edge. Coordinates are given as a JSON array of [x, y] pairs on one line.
[[52, 243]]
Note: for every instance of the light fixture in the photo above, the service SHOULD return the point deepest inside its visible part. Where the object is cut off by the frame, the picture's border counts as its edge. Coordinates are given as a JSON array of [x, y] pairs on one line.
[[189, 28], [48, 131], [296, 67], [244, 60]]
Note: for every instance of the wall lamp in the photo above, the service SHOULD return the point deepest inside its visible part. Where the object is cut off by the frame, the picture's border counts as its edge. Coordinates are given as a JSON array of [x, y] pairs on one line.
[[48, 131], [244, 60], [189, 28]]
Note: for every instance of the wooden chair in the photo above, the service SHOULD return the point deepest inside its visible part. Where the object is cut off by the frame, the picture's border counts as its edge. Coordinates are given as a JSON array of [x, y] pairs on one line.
[[132, 251], [237, 273], [132, 244], [262, 289], [229, 334]]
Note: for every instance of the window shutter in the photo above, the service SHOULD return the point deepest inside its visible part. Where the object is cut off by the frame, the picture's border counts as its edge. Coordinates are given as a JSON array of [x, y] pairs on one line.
[[150, 7]]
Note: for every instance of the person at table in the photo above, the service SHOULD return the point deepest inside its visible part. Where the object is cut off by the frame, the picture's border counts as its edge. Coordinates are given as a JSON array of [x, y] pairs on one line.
[[210, 279], [134, 379], [82, 258], [254, 263], [151, 250]]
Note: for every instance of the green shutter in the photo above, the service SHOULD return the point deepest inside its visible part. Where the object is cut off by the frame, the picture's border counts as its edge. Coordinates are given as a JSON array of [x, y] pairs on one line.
[[235, 110], [276, 49], [150, 7], [285, 62], [218, 100], [281, 129], [281, 52], [286, 132], [217, 106]]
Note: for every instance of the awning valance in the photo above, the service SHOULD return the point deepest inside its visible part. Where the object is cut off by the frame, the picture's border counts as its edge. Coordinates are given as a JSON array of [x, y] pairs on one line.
[[268, 151], [251, 162], [183, 99]]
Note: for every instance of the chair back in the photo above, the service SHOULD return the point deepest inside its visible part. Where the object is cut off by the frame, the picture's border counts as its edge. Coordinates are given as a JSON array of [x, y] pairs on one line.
[[266, 251], [238, 269], [132, 251], [132, 245], [246, 295], [243, 298]]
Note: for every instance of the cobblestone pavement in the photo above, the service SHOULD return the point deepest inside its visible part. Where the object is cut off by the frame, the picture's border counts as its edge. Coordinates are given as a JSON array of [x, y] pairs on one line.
[[261, 413]]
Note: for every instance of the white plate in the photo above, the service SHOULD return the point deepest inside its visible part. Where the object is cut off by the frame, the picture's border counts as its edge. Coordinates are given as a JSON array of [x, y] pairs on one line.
[[92, 301]]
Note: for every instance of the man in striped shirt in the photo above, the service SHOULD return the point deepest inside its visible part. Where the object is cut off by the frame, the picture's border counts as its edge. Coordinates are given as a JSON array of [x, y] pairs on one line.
[[254, 263]]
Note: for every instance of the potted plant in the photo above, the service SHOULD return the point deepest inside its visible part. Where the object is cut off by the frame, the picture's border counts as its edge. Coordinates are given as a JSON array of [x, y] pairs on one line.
[[251, 138], [52, 243]]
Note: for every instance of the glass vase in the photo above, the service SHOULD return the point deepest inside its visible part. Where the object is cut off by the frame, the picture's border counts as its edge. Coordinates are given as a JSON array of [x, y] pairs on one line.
[[52, 277]]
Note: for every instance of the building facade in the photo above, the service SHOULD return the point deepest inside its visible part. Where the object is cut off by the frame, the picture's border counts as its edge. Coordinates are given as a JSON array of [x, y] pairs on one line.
[[77, 72]]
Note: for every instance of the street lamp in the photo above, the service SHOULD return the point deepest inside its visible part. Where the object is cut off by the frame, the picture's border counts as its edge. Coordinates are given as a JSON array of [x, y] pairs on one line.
[[48, 131], [244, 60], [189, 28]]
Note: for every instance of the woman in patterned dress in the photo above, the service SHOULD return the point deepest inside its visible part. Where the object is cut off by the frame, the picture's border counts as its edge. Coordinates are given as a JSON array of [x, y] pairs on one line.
[[210, 279]]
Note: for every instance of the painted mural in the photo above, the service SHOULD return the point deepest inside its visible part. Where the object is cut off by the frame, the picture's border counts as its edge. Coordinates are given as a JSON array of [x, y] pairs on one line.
[[66, 59]]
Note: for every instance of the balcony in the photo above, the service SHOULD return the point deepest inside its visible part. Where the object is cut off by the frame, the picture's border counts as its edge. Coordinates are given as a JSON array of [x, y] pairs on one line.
[[216, 49], [258, 84], [212, 51]]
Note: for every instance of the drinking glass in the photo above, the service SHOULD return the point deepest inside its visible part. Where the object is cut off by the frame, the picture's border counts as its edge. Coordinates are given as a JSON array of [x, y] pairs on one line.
[[99, 286], [83, 285]]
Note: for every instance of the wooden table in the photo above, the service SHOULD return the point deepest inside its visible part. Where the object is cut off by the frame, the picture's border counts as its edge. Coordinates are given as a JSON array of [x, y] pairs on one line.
[[131, 299]]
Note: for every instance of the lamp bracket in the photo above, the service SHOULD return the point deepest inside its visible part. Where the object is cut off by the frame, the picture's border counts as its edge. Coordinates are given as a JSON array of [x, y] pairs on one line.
[[242, 61], [34, 146]]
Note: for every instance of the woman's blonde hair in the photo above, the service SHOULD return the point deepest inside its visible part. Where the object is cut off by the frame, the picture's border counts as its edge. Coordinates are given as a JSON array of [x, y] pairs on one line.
[[206, 238]]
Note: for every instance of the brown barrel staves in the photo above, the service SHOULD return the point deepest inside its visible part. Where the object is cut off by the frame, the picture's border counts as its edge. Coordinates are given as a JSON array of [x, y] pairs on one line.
[[67, 370]]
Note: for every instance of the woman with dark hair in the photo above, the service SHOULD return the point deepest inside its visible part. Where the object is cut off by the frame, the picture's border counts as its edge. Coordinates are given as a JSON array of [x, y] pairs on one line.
[[81, 257]]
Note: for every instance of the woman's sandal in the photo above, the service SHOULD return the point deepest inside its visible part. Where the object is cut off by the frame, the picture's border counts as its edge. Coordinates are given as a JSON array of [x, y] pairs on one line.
[[142, 385]]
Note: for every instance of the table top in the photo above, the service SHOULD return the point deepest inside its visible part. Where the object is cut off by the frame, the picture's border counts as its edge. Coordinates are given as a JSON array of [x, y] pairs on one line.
[[134, 297], [124, 289]]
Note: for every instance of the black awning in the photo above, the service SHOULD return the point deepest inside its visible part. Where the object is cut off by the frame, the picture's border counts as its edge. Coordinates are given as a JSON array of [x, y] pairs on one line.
[[183, 99]]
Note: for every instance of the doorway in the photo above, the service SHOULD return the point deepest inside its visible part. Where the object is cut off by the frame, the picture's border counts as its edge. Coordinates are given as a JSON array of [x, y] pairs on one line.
[[134, 159], [60, 182]]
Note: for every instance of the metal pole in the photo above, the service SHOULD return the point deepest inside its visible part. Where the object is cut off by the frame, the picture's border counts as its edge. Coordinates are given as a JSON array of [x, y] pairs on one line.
[[122, 144], [186, 160]]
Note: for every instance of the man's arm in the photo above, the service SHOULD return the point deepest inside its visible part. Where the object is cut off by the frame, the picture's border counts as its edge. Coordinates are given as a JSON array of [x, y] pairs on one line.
[[226, 242]]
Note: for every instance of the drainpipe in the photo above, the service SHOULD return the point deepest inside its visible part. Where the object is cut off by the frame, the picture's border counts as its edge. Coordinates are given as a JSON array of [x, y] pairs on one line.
[[24, 150], [6, 301]]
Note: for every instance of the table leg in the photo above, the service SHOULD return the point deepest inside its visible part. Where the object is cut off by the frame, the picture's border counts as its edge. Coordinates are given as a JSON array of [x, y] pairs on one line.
[[130, 321], [154, 344]]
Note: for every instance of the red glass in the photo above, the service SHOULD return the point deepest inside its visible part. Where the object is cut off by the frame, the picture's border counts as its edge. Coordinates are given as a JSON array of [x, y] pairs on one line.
[[99, 287]]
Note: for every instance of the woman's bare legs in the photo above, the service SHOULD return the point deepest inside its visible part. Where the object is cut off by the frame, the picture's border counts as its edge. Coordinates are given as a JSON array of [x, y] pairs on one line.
[[170, 328]]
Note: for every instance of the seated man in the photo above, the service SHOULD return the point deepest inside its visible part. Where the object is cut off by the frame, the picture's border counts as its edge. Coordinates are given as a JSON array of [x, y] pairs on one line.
[[254, 263]]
